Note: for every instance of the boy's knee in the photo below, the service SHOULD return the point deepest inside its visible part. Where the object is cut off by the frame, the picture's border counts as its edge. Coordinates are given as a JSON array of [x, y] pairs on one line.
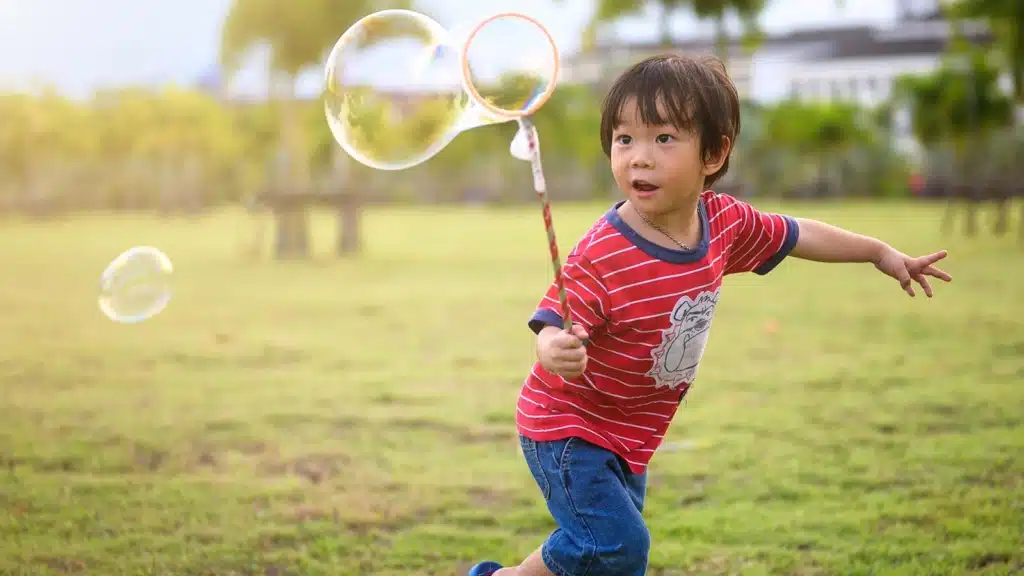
[[624, 552], [636, 549]]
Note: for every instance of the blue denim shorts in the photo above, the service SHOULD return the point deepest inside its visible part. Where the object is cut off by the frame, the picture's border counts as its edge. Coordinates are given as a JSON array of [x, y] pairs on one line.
[[596, 502]]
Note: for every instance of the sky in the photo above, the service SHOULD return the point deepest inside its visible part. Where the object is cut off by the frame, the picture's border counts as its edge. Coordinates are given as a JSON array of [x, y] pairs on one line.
[[78, 46]]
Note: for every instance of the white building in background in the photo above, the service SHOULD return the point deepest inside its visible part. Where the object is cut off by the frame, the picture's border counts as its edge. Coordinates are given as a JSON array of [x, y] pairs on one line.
[[843, 63], [857, 64], [863, 68], [604, 62]]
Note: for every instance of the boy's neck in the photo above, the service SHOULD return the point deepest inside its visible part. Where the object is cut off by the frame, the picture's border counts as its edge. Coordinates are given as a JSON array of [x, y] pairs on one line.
[[681, 223]]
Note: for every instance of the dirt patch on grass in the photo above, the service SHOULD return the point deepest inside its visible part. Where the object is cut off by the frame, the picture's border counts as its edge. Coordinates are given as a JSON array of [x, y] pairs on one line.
[[503, 418], [491, 498], [58, 464], [272, 356], [989, 560], [1009, 350], [225, 425], [690, 500], [895, 520], [62, 565], [148, 458], [313, 468], [461, 434], [269, 356], [393, 399], [886, 429], [309, 512], [348, 423]]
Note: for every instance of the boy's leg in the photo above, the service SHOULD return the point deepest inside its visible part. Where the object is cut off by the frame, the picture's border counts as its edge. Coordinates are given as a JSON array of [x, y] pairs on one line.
[[596, 502], [532, 566]]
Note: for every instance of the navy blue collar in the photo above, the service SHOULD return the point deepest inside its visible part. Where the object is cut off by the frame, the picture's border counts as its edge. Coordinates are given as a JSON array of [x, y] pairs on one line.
[[660, 252]]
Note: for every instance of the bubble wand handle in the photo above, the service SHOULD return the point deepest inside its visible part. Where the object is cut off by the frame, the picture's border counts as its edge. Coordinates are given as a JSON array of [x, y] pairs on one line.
[[540, 186]]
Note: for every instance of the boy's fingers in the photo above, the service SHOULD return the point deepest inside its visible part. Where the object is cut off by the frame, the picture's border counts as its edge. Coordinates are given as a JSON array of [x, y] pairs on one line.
[[570, 370], [567, 340], [906, 283], [903, 276], [937, 273], [932, 258], [923, 281], [570, 355]]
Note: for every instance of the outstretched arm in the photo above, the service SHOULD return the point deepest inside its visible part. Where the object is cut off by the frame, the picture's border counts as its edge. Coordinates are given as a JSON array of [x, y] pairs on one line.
[[823, 242]]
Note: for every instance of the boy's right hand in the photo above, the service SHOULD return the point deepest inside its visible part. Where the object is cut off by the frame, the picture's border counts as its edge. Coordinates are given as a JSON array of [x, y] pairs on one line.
[[561, 352]]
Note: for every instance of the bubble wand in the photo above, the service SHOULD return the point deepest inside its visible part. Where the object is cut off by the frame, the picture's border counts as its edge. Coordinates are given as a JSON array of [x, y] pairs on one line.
[[526, 143], [529, 133]]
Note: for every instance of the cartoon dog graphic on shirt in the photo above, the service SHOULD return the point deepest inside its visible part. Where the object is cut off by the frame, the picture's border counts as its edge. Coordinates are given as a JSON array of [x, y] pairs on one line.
[[683, 342]]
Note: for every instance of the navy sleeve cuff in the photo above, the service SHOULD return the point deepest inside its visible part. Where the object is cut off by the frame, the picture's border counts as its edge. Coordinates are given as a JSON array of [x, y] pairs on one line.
[[543, 318], [792, 235]]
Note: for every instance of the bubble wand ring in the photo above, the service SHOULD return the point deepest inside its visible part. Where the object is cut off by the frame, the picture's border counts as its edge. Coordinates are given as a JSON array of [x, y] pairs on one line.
[[528, 130], [467, 74]]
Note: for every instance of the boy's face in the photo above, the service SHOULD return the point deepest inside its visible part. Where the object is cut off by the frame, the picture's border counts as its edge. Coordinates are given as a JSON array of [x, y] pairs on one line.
[[659, 168]]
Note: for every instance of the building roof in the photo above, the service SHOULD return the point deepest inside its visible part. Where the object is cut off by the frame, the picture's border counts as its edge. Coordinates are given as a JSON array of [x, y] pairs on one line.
[[793, 38], [922, 33], [920, 37]]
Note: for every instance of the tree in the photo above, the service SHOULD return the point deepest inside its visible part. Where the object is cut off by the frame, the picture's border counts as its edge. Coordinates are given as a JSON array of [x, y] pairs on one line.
[[718, 11], [612, 10], [955, 111], [298, 34], [1006, 20], [715, 10], [791, 144]]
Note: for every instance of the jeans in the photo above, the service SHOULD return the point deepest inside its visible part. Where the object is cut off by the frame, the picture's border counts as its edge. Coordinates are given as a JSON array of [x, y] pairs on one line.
[[596, 502]]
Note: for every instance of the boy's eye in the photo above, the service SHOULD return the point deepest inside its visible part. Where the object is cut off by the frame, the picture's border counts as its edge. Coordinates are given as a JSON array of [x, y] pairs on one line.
[[664, 138], [624, 139]]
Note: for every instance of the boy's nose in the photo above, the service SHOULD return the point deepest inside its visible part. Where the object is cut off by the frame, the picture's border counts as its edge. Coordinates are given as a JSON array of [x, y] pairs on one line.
[[642, 160]]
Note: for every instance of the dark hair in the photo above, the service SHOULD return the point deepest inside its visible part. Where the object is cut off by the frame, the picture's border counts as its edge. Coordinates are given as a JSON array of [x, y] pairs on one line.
[[696, 92]]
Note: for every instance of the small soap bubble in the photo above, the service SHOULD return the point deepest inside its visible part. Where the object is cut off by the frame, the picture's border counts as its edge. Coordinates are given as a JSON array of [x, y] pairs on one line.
[[136, 285]]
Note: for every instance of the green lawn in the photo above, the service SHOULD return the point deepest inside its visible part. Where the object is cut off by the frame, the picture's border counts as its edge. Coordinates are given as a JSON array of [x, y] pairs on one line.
[[356, 417]]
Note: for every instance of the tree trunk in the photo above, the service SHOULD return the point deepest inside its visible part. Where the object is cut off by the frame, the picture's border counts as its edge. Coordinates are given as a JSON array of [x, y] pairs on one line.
[[721, 39], [292, 222], [665, 29], [1017, 60], [349, 212], [1020, 223]]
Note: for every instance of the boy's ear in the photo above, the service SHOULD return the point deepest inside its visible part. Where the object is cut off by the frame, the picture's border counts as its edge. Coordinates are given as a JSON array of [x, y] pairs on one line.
[[713, 163]]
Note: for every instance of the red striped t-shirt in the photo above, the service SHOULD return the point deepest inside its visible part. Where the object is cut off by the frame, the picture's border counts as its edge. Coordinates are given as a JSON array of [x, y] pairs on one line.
[[648, 310]]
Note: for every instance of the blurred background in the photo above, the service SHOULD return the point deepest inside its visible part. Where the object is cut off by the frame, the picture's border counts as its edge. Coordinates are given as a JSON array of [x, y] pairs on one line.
[[332, 388], [189, 105]]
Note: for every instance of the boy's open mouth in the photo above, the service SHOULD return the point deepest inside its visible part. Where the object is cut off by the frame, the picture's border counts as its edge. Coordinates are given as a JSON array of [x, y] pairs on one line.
[[644, 186]]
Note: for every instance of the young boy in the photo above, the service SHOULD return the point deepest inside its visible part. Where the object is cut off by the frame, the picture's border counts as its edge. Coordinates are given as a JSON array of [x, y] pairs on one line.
[[642, 285]]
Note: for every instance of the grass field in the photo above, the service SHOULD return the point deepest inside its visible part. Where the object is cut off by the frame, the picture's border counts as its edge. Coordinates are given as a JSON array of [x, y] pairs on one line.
[[356, 417]]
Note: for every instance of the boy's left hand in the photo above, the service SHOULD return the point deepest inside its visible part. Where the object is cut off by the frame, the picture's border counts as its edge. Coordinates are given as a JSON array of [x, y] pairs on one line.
[[908, 270]]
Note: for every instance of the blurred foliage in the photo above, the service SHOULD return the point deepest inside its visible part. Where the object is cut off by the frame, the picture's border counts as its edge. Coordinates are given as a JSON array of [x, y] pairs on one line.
[[799, 149], [123, 146], [961, 98], [965, 124], [1006, 20], [178, 149], [299, 35], [717, 11]]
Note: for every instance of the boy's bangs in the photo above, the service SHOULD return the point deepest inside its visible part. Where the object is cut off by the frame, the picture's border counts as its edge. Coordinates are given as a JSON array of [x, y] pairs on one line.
[[651, 88]]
